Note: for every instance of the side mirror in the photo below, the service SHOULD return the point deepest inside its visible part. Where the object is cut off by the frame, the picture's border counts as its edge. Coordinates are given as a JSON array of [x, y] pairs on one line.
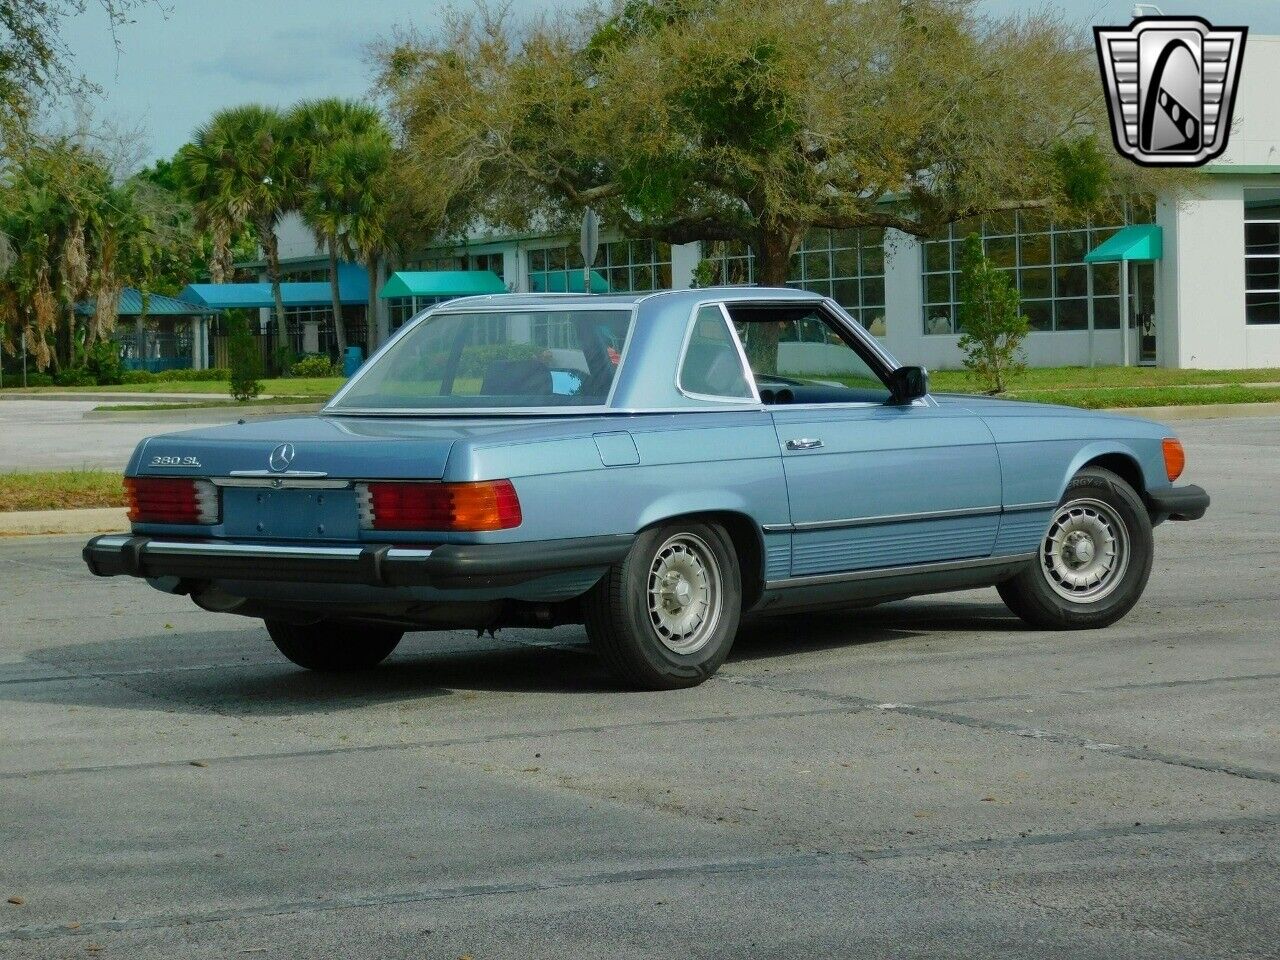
[[908, 383]]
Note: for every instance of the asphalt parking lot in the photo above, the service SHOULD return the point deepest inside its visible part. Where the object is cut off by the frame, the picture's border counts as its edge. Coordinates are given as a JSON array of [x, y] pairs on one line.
[[926, 779]]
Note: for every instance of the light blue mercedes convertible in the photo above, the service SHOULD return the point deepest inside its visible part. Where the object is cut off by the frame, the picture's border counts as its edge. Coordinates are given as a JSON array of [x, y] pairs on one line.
[[652, 466]]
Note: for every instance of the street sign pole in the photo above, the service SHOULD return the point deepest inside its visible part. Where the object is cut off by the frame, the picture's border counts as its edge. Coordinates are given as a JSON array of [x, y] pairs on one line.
[[589, 245]]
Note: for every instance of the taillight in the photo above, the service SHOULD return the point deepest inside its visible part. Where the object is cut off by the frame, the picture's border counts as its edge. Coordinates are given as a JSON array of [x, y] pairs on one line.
[[485, 505], [171, 500], [1175, 458]]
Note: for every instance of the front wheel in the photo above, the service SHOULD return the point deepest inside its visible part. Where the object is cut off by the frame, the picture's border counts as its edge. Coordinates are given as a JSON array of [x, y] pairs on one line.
[[332, 646], [666, 616], [1094, 561]]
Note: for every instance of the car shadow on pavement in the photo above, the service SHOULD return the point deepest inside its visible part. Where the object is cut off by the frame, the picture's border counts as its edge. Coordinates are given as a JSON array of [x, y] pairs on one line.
[[239, 673]]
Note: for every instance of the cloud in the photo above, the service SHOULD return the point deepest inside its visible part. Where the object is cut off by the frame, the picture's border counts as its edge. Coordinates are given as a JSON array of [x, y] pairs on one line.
[[286, 58]]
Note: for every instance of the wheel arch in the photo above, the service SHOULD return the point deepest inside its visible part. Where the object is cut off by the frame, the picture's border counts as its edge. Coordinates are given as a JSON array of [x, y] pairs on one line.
[[747, 539], [1120, 459]]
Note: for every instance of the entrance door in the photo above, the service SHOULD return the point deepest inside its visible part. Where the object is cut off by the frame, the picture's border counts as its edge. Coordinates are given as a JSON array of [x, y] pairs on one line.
[[1142, 311]]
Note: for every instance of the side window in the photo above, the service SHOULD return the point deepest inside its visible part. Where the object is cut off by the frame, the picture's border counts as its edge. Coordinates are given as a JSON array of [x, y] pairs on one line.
[[711, 365], [797, 355]]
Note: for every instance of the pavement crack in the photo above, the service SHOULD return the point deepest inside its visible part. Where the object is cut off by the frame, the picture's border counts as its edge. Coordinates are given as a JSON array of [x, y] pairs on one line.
[[925, 712]]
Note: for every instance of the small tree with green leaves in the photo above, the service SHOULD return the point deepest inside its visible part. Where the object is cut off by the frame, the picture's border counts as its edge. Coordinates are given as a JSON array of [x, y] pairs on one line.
[[992, 327], [245, 359]]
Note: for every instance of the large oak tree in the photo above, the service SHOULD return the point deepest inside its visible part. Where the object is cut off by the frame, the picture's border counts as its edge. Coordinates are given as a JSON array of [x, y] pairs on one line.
[[754, 120]]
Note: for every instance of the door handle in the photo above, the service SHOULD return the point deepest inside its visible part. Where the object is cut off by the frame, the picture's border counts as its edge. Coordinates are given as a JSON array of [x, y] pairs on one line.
[[804, 443]]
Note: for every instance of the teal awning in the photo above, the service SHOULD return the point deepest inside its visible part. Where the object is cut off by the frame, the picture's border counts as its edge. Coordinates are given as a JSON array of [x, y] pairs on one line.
[[353, 287], [556, 282], [1140, 242], [158, 305], [442, 283]]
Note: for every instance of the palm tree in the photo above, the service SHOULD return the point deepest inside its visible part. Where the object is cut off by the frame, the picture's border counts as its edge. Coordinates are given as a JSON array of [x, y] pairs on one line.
[[371, 228], [242, 168], [331, 185]]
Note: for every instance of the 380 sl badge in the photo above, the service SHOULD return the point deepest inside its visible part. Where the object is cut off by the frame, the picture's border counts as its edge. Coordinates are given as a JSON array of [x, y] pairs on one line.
[[175, 462]]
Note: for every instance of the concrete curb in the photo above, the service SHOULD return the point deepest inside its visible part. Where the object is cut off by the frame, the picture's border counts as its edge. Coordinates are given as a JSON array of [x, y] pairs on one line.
[[31, 523], [202, 414]]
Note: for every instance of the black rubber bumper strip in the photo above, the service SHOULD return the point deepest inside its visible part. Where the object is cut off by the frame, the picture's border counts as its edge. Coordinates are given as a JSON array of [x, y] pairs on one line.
[[1180, 503], [454, 565]]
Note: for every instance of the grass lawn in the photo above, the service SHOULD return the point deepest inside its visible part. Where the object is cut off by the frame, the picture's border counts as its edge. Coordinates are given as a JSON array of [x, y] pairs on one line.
[[1083, 378], [1150, 396], [60, 490], [315, 387], [221, 404]]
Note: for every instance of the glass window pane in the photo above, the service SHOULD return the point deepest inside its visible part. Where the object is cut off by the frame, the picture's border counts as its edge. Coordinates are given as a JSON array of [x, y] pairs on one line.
[[1038, 313], [845, 263], [1106, 279], [1071, 314], [937, 256], [937, 319], [1034, 249], [1106, 313], [1262, 308], [1000, 224], [662, 252], [1034, 221], [1262, 273], [1002, 251], [619, 279], [873, 260], [1262, 238], [937, 288], [873, 292], [817, 266], [642, 277], [1070, 247], [711, 364], [556, 259], [664, 276], [873, 320], [845, 293], [1034, 284], [1072, 281]]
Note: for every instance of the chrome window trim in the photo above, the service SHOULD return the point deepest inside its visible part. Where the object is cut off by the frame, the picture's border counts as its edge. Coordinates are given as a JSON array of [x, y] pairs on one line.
[[443, 309], [277, 482], [733, 338], [877, 573], [885, 518]]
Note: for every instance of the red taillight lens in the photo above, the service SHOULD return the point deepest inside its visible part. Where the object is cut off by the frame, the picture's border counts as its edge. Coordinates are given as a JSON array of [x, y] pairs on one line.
[[486, 505], [1175, 458], [171, 500]]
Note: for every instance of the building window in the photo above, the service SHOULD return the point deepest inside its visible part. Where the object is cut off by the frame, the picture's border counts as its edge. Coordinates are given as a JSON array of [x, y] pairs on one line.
[[1045, 261], [1262, 256], [846, 265], [305, 274], [625, 266]]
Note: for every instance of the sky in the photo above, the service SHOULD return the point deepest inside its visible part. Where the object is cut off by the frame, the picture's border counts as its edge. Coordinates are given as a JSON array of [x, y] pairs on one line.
[[181, 60]]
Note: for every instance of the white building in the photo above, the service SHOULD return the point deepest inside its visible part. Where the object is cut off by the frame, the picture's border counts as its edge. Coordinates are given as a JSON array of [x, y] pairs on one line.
[[1205, 291]]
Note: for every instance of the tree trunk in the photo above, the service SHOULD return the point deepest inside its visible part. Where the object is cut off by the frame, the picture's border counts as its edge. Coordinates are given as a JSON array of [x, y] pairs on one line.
[[773, 250], [371, 314], [339, 328], [221, 248], [271, 245]]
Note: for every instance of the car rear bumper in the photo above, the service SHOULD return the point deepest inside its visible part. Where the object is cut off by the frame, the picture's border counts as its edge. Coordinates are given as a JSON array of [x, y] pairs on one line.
[[1180, 503], [451, 565]]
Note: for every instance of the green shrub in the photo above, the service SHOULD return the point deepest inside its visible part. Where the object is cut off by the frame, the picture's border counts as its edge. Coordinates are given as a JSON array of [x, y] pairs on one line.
[[137, 376], [73, 377], [315, 365], [34, 379], [103, 362], [186, 376], [992, 327], [283, 358], [246, 361]]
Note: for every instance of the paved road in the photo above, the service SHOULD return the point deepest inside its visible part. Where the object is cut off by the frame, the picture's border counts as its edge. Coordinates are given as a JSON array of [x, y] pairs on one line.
[[52, 435], [927, 779]]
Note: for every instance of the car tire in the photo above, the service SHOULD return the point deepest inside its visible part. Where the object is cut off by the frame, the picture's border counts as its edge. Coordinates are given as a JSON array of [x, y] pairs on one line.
[[666, 616], [1094, 561], [332, 646]]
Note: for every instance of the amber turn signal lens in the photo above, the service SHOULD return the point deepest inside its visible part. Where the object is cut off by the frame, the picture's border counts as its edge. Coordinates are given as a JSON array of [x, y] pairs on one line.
[[1175, 458], [394, 505]]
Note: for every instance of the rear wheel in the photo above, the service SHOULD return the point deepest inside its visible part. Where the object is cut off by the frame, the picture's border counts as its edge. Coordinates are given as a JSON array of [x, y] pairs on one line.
[[666, 616], [332, 646], [1094, 561]]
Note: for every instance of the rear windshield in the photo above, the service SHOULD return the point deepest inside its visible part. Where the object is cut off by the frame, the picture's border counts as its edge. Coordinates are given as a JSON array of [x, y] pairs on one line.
[[458, 361]]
